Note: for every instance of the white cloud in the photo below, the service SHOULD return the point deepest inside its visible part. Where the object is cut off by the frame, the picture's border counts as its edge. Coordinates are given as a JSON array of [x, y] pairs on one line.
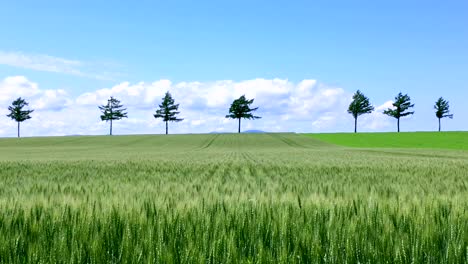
[[278, 99], [41, 62], [52, 99], [376, 120], [197, 122], [283, 106], [384, 106], [141, 94], [17, 86]]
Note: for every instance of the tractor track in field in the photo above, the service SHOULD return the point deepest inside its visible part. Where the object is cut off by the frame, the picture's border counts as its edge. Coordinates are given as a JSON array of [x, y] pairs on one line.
[[209, 143], [249, 157], [287, 141]]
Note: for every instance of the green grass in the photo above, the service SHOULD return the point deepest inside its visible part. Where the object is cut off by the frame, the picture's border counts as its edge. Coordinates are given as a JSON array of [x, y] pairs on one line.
[[266, 198], [430, 140]]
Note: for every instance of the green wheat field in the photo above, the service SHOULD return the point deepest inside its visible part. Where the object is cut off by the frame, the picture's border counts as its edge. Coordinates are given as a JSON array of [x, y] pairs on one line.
[[228, 198]]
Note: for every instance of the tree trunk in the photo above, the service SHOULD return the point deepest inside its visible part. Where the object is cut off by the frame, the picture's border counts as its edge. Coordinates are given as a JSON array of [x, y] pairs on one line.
[[166, 127], [18, 129], [398, 125], [355, 125], [110, 133], [238, 130], [439, 124]]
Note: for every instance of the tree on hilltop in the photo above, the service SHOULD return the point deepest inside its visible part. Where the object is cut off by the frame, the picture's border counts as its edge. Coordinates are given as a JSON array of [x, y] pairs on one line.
[[17, 113], [113, 110], [401, 106], [240, 109], [168, 110], [359, 106], [442, 108]]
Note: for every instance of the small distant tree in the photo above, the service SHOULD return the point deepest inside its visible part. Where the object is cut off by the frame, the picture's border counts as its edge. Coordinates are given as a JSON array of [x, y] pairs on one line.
[[112, 111], [401, 106], [359, 106], [17, 113], [240, 109], [168, 110], [442, 110]]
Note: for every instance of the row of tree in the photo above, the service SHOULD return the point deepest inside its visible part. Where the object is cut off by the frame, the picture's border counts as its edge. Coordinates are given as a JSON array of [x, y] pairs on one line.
[[401, 108], [240, 109], [167, 111]]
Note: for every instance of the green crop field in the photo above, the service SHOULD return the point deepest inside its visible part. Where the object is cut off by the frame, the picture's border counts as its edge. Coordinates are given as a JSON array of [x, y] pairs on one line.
[[431, 140], [228, 198]]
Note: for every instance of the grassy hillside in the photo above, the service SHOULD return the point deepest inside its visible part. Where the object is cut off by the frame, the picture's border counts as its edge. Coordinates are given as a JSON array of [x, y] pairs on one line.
[[430, 140], [146, 147], [249, 198]]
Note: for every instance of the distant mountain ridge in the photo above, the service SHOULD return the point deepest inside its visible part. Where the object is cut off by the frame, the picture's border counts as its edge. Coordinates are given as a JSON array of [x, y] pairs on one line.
[[252, 131]]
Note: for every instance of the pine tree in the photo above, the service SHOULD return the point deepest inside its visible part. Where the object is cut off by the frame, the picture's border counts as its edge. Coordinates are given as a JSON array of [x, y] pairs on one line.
[[112, 111], [168, 110], [17, 113], [401, 106], [359, 106], [240, 109], [442, 108]]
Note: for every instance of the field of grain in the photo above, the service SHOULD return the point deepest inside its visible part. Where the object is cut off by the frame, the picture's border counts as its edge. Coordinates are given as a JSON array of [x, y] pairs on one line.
[[228, 198]]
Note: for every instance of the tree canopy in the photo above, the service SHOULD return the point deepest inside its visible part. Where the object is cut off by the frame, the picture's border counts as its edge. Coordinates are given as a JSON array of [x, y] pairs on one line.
[[168, 110], [401, 106], [240, 109], [113, 110], [359, 106], [17, 113], [442, 108]]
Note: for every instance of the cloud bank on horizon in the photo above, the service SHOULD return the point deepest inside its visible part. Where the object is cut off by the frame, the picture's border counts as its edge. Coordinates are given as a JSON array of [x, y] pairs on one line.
[[306, 106]]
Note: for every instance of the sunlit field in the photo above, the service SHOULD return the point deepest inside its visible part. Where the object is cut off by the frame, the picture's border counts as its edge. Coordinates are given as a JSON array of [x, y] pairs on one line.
[[228, 198], [426, 140]]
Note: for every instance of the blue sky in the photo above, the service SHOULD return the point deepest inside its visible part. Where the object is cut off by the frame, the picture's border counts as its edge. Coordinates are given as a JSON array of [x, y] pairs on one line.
[[88, 49]]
